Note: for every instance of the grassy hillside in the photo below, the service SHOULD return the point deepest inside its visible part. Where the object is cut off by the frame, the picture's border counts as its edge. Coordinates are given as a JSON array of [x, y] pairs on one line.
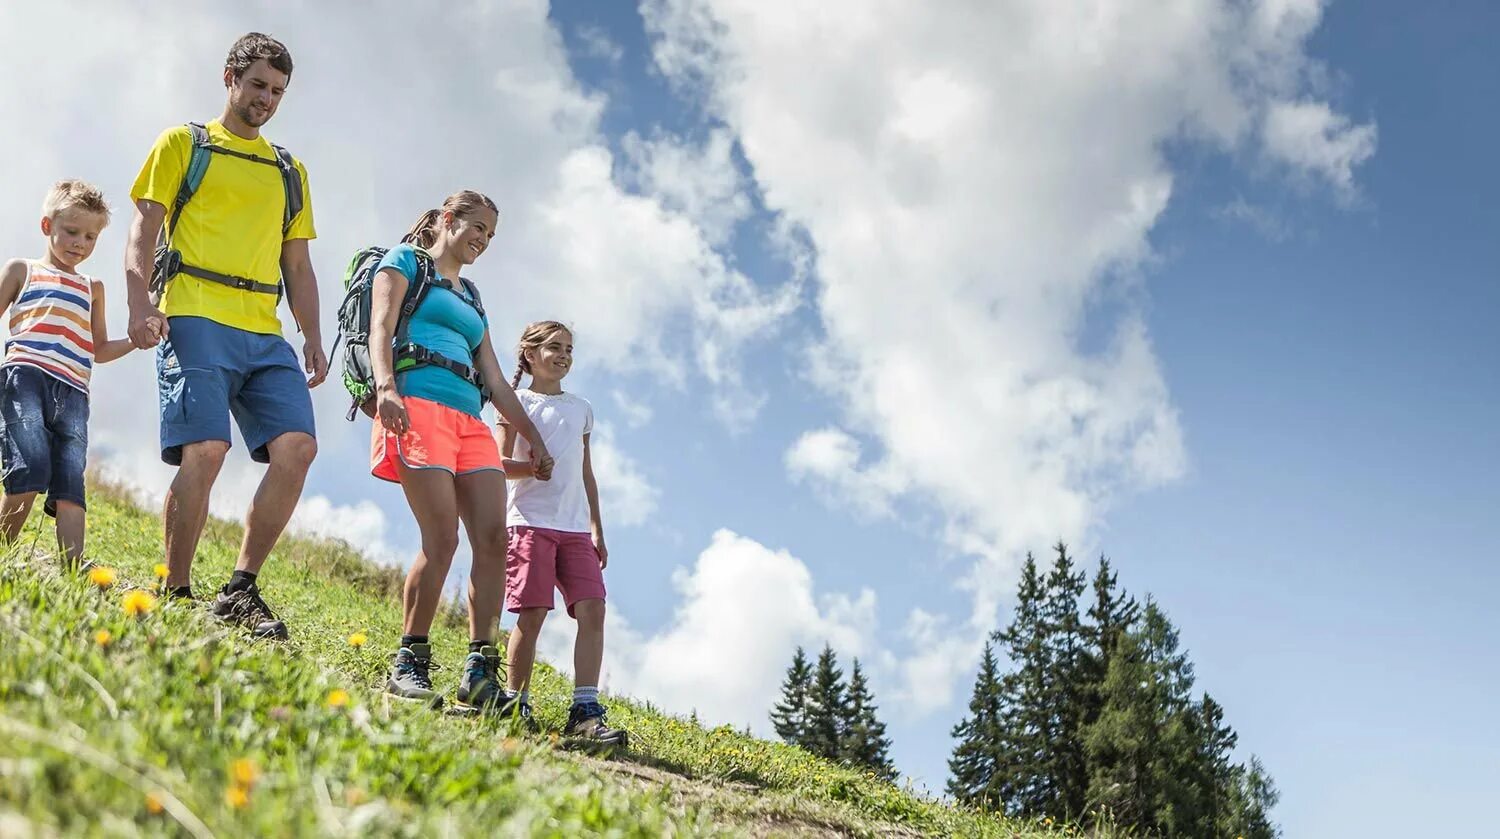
[[166, 723]]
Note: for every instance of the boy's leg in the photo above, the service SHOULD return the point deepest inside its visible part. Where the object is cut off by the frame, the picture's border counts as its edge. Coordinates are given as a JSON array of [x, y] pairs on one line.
[[70, 530], [14, 510], [25, 447]]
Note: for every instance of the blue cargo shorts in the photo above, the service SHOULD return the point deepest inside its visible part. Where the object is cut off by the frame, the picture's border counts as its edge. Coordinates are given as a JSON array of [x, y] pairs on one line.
[[206, 372], [44, 435]]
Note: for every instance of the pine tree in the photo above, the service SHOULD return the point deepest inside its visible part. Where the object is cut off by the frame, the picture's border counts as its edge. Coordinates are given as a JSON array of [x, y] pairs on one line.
[[825, 708], [1122, 742], [789, 716], [1214, 774], [975, 758], [1066, 695], [864, 743], [1111, 614], [1021, 778], [1252, 795]]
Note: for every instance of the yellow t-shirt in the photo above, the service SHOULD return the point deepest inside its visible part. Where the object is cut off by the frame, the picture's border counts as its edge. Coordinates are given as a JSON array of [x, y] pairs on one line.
[[231, 226]]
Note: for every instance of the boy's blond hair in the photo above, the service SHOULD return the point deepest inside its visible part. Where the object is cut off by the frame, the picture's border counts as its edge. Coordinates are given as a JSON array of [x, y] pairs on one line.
[[71, 193]]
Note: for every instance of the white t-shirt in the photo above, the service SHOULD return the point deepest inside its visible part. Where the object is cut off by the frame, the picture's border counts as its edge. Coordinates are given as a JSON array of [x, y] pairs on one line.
[[561, 503]]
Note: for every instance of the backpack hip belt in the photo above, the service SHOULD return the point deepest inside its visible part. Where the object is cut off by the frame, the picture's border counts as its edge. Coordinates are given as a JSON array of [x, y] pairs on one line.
[[420, 356], [169, 263]]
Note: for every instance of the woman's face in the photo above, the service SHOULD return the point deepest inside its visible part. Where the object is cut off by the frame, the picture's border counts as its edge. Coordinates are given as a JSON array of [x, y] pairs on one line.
[[470, 235]]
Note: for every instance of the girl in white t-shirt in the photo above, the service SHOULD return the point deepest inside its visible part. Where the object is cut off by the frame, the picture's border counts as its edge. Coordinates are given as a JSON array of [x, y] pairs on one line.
[[556, 536]]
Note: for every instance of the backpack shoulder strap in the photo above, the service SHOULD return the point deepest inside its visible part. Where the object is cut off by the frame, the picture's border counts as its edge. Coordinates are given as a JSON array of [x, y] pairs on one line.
[[416, 291], [192, 177], [473, 291], [291, 182]]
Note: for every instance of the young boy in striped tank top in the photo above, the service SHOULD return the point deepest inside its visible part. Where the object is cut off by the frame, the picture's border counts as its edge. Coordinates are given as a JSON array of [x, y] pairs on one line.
[[57, 332]]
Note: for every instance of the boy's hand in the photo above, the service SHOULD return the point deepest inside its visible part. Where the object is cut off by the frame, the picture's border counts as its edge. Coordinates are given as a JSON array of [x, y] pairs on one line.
[[147, 326]]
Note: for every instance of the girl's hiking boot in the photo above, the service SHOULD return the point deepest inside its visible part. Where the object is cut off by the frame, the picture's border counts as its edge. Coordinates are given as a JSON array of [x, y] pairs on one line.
[[410, 675], [480, 688], [246, 608], [586, 726], [518, 713]]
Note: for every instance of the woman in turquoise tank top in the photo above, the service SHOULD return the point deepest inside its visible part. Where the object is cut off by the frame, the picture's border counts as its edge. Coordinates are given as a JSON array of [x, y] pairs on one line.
[[428, 436]]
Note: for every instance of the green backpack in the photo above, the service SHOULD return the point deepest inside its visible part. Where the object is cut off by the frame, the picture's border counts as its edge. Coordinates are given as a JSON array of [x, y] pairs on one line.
[[354, 327], [168, 262]]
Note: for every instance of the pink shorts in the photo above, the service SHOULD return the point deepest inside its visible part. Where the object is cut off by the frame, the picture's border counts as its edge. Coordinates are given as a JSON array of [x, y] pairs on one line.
[[440, 437], [538, 560]]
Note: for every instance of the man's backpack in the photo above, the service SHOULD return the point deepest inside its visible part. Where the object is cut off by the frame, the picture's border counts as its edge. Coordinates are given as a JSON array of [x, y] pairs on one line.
[[355, 319], [169, 262]]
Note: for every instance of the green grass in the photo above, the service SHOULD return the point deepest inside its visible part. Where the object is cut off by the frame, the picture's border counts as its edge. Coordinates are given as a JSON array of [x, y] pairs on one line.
[[93, 737]]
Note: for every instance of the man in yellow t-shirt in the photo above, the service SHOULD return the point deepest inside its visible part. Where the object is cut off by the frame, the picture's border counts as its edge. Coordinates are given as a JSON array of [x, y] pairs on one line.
[[221, 352]]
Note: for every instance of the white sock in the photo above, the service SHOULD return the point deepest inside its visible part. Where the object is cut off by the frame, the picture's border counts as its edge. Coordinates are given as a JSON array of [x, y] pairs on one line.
[[585, 694]]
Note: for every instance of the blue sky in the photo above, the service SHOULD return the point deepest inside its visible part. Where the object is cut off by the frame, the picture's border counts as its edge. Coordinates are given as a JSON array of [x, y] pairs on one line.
[[870, 305]]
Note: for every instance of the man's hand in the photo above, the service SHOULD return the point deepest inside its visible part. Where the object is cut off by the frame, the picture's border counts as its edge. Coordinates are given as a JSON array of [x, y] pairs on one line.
[[314, 361], [599, 546], [147, 326]]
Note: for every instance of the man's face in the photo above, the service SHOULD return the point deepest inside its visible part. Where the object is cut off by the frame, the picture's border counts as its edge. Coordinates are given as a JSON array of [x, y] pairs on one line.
[[254, 96]]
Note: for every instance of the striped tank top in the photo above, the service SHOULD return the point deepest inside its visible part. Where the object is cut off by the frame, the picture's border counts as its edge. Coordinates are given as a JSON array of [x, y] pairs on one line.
[[51, 325]]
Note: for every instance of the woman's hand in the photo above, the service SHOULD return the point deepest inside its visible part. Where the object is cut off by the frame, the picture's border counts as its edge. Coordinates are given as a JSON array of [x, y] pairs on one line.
[[391, 411]]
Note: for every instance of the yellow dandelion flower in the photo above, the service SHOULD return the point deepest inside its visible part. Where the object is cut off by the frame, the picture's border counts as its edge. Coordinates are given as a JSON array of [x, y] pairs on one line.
[[160, 570], [103, 637], [236, 796], [358, 639], [244, 772], [137, 603], [337, 698], [153, 804], [102, 577]]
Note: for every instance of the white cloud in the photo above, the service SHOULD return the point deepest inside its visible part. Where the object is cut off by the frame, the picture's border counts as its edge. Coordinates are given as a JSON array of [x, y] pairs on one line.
[[597, 44], [626, 497], [1311, 137], [1262, 220], [634, 412], [383, 139], [701, 181], [973, 182], [742, 609]]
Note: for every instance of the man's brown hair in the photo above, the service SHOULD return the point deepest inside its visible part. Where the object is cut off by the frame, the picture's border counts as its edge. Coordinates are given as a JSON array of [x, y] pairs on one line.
[[254, 46]]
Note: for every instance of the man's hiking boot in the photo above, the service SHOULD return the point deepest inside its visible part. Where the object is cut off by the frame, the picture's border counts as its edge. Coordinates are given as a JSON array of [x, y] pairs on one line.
[[586, 726], [246, 608], [480, 688], [411, 675]]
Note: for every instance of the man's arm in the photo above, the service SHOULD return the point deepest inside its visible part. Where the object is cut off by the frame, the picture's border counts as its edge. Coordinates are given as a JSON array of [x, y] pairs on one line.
[[147, 324], [302, 296]]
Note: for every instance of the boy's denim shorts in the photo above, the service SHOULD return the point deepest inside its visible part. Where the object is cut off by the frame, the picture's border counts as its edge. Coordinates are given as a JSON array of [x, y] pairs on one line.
[[206, 372], [44, 435]]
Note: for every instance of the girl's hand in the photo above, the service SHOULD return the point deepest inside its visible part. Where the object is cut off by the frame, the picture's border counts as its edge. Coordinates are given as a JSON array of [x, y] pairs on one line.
[[603, 551], [391, 411]]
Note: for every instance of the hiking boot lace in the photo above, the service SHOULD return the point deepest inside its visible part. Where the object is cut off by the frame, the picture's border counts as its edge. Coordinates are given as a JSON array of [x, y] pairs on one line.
[[247, 604], [419, 670]]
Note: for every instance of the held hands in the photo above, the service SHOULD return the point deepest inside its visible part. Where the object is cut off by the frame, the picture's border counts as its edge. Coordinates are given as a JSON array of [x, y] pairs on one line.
[[147, 326], [390, 410], [541, 465], [315, 362]]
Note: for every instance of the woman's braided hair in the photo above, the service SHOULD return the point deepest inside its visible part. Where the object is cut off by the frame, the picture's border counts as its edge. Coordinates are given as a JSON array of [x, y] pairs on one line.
[[534, 336]]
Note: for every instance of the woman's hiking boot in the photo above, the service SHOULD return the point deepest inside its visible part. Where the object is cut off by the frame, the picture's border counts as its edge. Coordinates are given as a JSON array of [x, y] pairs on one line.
[[480, 688], [246, 608], [586, 726], [411, 675]]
